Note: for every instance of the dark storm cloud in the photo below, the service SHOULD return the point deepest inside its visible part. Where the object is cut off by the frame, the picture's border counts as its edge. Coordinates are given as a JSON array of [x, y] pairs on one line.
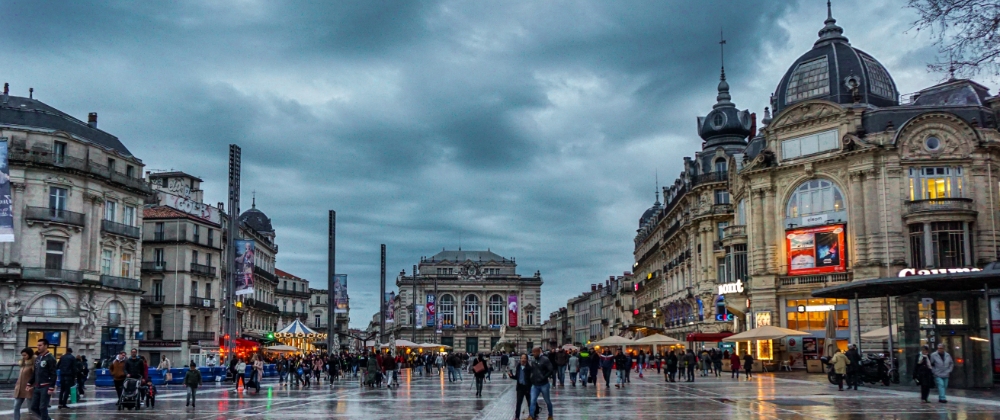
[[530, 128]]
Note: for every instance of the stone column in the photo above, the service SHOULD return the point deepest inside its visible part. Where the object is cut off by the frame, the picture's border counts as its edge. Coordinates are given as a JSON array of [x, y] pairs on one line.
[[871, 213], [757, 232], [857, 219], [770, 228], [928, 246], [966, 248]]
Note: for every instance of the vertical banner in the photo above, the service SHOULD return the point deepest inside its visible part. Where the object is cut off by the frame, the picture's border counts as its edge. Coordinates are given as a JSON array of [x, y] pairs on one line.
[[6, 214], [431, 310], [244, 267], [340, 293], [995, 331], [512, 310], [390, 301], [419, 320]]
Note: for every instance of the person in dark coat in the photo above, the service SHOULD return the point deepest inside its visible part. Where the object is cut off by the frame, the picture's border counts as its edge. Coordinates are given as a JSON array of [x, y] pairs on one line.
[[670, 366], [67, 371], [192, 380], [594, 360], [621, 366], [923, 373], [134, 366], [480, 376], [854, 368], [748, 365], [541, 371], [43, 382], [82, 373], [607, 363], [522, 374], [689, 362]]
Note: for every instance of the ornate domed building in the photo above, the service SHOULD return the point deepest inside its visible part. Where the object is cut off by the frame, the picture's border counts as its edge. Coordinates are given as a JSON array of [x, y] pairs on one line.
[[259, 313]]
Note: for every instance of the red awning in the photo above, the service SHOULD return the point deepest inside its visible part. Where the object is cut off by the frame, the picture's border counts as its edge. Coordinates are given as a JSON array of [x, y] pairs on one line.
[[708, 337]]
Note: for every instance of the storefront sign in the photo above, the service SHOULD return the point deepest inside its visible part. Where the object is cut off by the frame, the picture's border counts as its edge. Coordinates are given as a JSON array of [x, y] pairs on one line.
[[816, 308], [816, 250], [729, 288], [814, 220], [907, 272]]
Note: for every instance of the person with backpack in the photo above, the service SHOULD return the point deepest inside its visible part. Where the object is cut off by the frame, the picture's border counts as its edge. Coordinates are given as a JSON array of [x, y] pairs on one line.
[[67, 371], [541, 371], [192, 380]]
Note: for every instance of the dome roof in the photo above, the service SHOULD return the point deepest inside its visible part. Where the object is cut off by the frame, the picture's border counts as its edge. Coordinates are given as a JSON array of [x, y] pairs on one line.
[[724, 124], [649, 213], [256, 220], [831, 70]]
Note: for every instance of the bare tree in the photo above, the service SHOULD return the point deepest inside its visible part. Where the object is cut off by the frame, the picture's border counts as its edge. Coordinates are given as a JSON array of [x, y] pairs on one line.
[[967, 33]]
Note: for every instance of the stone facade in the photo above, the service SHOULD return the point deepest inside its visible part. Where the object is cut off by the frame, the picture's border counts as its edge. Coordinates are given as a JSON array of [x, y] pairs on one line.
[[473, 290], [76, 199], [293, 298]]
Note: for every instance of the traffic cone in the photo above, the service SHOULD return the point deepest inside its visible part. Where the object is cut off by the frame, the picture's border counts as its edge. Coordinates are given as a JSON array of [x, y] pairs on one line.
[[239, 385]]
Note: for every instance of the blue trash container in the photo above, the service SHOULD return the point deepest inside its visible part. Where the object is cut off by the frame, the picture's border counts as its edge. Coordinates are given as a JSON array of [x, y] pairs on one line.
[[206, 374], [270, 371], [155, 376], [103, 377], [178, 376]]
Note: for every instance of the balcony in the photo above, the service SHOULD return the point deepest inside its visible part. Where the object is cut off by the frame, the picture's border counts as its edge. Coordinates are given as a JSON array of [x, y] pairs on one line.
[[201, 336], [813, 280], [294, 314], [50, 274], [710, 177], [200, 302], [155, 300], [949, 206], [120, 282], [154, 266], [263, 273], [18, 153], [48, 215], [263, 306], [203, 270], [290, 292], [735, 230], [120, 229]]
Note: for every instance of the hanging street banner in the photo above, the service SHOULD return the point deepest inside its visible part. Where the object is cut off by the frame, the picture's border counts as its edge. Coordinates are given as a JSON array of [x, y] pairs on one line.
[[340, 293], [419, 320], [390, 312], [431, 310], [244, 267], [6, 212], [512, 310]]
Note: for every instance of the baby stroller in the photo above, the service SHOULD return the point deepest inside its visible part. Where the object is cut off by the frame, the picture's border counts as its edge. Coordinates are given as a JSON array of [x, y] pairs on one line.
[[131, 395]]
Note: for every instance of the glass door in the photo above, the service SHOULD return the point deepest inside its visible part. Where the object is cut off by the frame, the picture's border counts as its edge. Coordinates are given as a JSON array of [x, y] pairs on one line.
[[960, 376], [472, 345]]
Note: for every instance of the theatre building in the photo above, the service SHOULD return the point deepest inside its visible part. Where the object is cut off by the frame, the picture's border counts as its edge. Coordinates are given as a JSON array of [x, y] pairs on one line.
[[851, 181]]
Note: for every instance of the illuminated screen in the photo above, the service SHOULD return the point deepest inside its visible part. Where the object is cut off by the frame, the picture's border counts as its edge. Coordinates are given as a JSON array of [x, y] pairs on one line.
[[816, 250]]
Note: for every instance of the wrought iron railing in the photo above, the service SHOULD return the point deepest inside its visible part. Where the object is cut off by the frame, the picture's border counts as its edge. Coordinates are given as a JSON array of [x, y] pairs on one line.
[[52, 274], [939, 205], [120, 229], [120, 282], [201, 335], [204, 270], [55, 215], [201, 302]]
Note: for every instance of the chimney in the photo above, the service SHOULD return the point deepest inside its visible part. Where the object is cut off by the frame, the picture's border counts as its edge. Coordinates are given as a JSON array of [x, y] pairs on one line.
[[593, 287], [92, 120], [6, 91], [31, 93], [220, 206]]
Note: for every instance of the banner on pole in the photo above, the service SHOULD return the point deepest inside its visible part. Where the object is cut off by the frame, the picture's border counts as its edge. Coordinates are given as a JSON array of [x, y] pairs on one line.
[[390, 312], [419, 320], [6, 211], [431, 310], [512, 310], [244, 267], [340, 293]]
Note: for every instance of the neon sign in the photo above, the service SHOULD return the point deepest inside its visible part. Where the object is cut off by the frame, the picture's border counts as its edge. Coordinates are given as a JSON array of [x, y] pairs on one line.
[[907, 272]]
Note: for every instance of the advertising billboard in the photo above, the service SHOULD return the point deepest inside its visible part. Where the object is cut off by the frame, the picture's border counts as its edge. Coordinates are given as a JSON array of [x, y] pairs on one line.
[[340, 293], [512, 310], [6, 212], [816, 250], [390, 311], [431, 310], [244, 267], [418, 321]]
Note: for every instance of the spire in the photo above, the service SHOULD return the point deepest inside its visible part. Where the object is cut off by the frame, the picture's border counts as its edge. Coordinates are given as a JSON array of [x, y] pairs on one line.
[[253, 204], [723, 99], [657, 188], [830, 32]]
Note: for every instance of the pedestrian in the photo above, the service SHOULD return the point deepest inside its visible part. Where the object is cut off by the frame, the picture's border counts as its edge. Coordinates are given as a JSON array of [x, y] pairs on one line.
[[839, 362], [67, 371], [659, 362], [504, 362], [118, 373], [479, 369], [21, 390], [389, 365], [521, 374], [584, 362], [941, 365], [257, 373], [82, 373], [135, 367], [621, 367], [164, 367], [629, 364], [854, 368], [42, 383], [671, 366], [641, 363], [690, 361], [706, 362], [561, 361], [373, 372], [192, 380], [734, 365], [717, 362], [573, 367], [241, 369], [607, 363], [748, 365], [595, 366], [232, 367], [923, 374], [541, 371], [282, 367]]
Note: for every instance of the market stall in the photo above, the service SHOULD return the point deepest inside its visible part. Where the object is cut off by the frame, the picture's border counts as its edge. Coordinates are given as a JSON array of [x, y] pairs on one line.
[[764, 338]]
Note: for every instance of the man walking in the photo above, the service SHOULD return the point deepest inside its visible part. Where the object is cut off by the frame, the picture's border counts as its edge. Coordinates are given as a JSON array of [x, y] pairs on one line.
[[584, 367], [67, 371], [82, 372], [853, 368], [134, 367], [942, 365], [192, 380], [43, 382], [541, 371], [118, 373], [562, 360]]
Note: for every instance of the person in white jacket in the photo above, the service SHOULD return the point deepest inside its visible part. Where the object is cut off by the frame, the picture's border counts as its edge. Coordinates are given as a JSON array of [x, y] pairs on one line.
[[941, 365]]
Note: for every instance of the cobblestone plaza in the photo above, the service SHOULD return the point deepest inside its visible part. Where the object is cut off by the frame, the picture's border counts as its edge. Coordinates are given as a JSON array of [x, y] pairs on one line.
[[789, 396]]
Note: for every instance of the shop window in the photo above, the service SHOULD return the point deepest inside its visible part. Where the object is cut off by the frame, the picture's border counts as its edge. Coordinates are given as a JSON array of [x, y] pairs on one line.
[[57, 339], [816, 196], [944, 312], [929, 183]]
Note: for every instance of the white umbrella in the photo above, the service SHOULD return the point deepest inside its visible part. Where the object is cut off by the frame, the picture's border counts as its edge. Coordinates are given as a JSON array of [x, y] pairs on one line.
[[615, 340], [658, 339], [570, 347], [433, 346], [768, 332], [879, 334], [405, 343], [831, 333], [281, 349]]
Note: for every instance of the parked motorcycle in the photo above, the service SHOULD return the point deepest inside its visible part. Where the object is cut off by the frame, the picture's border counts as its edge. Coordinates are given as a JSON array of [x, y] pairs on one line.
[[873, 370]]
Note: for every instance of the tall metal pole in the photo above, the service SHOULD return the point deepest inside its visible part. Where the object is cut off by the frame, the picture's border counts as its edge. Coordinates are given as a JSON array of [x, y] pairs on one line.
[[331, 294], [413, 334], [381, 300], [232, 318], [892, 354]]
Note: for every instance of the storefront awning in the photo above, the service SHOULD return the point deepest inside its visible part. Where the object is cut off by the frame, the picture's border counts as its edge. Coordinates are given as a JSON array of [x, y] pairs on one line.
[[914, 281], [708, 337]]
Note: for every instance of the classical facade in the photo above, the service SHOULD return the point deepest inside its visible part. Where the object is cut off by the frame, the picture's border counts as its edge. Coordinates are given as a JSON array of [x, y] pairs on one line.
[[319, 307], [71, 274], [181, 280], [293, 298], [849, 182], [478, 293]]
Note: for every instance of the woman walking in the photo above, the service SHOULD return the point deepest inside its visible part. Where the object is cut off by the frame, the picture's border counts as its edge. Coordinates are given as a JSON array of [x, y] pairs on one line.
[[573, 367], [21, 392], [748, 365], [923, 373], [641, 363], [734, 365], [671, 366], [257, 373], [479, 369], [164, 367]]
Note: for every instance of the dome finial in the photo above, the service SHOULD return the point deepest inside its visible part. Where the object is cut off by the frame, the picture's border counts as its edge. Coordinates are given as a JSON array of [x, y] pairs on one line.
[[253, 195], [657, 187], [723, 98], [830, 31]]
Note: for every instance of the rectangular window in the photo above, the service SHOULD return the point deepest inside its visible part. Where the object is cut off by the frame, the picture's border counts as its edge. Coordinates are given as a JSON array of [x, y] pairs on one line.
[[807, 145], [106, 262], [194, 257], [157, 291], [111, 165], [929, 183], [54, 255], [194, 288], [948, 244], [57, 198], [158, 231], [59, 152], [158, 256], [128, 215], [211, 236], [720, 271], [197, 234], [721, 229], [110, 210], [208, 260], [721, 196], [130, 171], [208, 291], [126, 270], [917, 246]]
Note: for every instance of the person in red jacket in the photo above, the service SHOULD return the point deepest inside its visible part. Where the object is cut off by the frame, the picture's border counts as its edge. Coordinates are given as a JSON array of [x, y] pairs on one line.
[[734, 365]]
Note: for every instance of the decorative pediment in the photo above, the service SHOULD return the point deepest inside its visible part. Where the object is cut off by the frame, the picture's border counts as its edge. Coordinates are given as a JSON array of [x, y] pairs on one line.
[[936, 135], [60, 181], [807, 112]]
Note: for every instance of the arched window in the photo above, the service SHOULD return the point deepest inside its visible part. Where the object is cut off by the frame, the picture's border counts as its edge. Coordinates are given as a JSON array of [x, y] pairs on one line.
[[51, 305], [496, 310], [815, 196], [470, 311], [720, 165], [447, 309]]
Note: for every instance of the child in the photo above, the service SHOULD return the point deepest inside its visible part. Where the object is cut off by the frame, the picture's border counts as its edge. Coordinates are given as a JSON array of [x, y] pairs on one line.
[[192, 379], [150, 393]]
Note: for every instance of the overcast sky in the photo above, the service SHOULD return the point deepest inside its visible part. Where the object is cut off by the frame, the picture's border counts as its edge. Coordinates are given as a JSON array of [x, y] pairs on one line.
[[533, 129]]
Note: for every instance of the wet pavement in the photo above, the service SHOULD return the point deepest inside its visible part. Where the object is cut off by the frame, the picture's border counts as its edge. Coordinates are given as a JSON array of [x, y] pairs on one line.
[[766, 396]]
